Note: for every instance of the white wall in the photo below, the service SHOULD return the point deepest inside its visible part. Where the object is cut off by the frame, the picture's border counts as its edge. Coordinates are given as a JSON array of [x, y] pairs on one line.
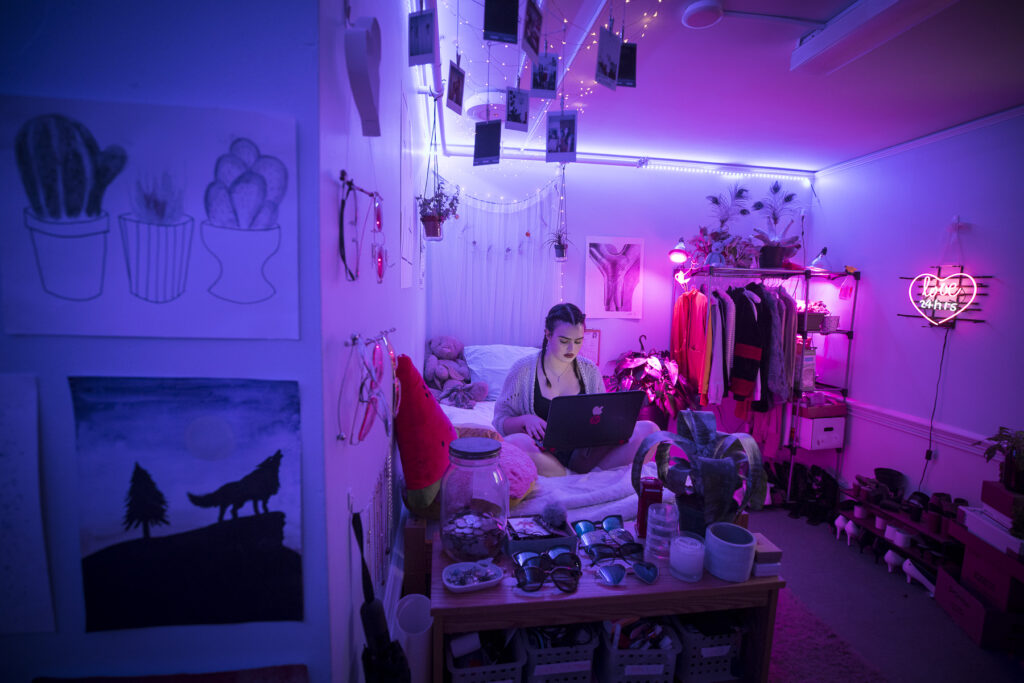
[[658, 206], [364, 306], [258, 55], [890, 217]]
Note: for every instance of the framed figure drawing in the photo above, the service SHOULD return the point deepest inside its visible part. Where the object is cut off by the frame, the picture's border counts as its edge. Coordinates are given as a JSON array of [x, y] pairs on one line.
[[614, 277]]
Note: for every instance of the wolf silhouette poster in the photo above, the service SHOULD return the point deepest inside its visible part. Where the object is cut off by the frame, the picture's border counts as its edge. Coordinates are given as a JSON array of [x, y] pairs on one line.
[[190, 500]]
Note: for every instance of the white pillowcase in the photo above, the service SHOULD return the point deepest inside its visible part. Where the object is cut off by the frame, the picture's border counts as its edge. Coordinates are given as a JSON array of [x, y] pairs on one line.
[[491, 362]]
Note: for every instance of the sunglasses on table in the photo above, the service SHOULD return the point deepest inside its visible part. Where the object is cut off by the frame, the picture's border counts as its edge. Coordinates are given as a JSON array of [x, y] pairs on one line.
[[582, 526], [557, 556], [599, 550], [613, 574], [531, 578]]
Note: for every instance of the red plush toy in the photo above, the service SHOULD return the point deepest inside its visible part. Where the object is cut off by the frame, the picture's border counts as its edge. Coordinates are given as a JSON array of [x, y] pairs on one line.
[[423, 433]]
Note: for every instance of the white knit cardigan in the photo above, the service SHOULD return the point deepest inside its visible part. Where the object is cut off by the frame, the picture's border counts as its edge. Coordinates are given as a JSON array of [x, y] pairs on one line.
[[516, 396]]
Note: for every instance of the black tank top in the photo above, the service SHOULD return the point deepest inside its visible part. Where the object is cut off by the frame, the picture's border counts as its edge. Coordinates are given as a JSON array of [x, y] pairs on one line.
[[541, 404]]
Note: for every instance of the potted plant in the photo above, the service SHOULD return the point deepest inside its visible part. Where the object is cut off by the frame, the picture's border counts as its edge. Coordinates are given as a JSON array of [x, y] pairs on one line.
[[1010, 443], [242, 229], [157, 240], [436, 209], [65, 175], [657, 375], [776, 246], [558, 240], [714, 466]]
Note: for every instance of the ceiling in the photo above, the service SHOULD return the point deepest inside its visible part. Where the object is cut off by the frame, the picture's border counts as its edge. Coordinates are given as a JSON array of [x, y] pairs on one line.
[[726, 94]]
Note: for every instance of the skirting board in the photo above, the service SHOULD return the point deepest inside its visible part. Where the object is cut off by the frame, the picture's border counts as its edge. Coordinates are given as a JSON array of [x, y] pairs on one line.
[[943, 434]]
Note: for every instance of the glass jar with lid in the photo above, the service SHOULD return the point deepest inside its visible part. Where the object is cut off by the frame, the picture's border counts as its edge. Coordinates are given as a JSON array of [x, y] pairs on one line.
[[474, 500]]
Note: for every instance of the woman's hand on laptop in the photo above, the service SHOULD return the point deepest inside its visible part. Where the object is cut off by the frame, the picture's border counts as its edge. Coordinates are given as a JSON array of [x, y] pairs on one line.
[[530, 424]]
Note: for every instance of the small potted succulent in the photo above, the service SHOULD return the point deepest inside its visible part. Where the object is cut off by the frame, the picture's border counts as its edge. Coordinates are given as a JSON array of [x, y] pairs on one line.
[[436, 209], [242, 229], [776, 247], [65, 175], [1010, 443], [657, 375]]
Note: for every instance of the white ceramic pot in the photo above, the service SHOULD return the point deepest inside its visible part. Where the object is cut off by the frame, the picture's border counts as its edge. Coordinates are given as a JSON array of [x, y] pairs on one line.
[[729, 551]]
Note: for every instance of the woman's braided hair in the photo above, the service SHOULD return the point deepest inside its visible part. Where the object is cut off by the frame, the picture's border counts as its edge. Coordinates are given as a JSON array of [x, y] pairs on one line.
[[561, 313]]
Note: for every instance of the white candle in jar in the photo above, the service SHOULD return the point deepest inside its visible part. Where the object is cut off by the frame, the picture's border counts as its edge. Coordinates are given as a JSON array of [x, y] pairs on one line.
[[686, 558]]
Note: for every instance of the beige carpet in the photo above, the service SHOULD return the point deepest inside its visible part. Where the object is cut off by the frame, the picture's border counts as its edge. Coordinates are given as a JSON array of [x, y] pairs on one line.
[[805, 649]]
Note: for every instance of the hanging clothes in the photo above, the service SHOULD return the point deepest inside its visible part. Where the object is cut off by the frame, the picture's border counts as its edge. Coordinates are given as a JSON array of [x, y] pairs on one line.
[[747, 348]]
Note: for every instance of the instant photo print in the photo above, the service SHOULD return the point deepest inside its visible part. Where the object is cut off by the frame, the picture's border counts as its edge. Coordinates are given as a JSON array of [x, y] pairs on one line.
[[608, 46], [517, 109], [544, 76], [531, 29], [487, 143], [627, 65], [501, 20], [456, 85], [561, 137], [422, 37]]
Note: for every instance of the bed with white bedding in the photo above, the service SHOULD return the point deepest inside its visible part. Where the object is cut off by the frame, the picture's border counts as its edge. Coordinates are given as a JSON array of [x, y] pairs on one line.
[[585, 496]]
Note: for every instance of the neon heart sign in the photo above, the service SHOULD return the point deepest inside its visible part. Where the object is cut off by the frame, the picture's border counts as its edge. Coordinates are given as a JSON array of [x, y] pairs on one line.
[[942, 296]]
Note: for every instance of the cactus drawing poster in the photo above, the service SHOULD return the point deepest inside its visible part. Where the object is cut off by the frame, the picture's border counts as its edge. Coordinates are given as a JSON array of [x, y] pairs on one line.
[[614, 277], [147, 220], [193, 484]]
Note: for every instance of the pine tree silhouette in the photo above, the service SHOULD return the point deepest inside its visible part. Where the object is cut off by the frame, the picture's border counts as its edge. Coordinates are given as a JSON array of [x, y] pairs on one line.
[[144, 504]]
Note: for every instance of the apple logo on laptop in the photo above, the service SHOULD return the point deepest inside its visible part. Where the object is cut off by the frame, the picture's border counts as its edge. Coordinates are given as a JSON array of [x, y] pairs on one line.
[[597, 415]]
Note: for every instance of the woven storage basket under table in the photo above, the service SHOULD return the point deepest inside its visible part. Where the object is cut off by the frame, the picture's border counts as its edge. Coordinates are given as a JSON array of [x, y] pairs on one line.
[[615, 665], [710, 656], [572, 664], [511, 672]]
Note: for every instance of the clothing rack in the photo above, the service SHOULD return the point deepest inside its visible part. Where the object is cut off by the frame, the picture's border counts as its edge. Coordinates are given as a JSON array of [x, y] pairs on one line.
[[807, 275]]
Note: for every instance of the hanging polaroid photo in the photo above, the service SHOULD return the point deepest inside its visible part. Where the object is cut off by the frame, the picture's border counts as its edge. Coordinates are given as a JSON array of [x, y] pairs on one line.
[[531, 29], [487, 143], [517, 109], [544, 80], [608, 46], [561, 137], [456, 84], [501, 20], [422, 37], [627, 65]]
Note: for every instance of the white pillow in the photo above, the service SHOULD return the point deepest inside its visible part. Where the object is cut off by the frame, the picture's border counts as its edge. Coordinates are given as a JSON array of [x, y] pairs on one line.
[[491, 362]]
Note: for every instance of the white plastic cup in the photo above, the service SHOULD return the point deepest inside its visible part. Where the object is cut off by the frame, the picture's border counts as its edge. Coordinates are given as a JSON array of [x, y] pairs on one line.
[[413, 626]]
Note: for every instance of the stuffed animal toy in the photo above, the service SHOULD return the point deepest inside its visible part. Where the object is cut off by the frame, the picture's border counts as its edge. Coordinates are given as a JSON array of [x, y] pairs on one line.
[[716, 258], [423, 433], [445, 365]]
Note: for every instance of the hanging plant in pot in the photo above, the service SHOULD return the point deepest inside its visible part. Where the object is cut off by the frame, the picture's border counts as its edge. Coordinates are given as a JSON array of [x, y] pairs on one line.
[[776, 245], [436, 209], [559, 243]]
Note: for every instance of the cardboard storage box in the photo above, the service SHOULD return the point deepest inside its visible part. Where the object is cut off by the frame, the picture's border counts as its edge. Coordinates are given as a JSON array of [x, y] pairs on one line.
[[983, 574], [827, 410], [1001, 499], [988, 529], [985, 625], [821, 432]]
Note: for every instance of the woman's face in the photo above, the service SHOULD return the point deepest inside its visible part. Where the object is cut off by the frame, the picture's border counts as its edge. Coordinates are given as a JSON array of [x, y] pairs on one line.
[[565, 340]]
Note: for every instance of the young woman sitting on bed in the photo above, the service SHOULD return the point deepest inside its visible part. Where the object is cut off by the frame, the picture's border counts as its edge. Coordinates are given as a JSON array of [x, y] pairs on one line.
[[521, 412]]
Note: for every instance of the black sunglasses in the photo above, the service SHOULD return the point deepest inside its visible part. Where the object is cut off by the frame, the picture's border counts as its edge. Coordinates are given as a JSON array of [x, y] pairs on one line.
[[557, 556], [531, 578], [600, 552]]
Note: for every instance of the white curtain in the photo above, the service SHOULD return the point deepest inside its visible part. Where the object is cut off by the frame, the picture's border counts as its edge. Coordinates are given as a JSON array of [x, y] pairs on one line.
[[487, 281]]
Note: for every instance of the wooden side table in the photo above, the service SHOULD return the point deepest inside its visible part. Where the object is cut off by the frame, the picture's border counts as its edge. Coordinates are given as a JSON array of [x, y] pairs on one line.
[[505, 606]]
